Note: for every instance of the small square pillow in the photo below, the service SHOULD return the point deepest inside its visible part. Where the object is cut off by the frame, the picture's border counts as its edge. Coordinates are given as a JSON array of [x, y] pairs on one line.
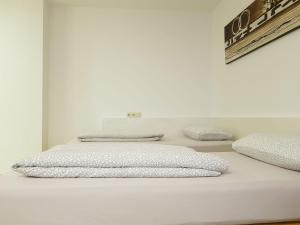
[[206, 134], [278, 150]]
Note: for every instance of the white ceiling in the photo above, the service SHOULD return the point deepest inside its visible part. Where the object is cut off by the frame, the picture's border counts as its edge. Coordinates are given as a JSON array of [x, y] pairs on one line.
[[194, 5]]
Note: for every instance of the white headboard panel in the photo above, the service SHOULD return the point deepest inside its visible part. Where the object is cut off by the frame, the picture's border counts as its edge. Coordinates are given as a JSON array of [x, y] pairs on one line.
[[239, 126], [168, 126]]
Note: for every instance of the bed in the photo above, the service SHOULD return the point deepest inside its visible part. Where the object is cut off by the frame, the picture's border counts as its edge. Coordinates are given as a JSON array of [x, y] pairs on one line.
[[250, 192]]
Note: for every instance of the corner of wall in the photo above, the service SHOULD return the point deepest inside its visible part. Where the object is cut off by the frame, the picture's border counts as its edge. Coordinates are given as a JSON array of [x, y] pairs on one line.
[[45, 76]]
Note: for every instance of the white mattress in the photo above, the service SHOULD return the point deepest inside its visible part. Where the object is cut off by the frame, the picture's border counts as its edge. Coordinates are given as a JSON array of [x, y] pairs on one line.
[[250, 192]]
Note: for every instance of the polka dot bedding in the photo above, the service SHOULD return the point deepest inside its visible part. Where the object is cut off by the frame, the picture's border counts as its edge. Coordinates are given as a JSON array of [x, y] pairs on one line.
[[121, 160], [275, 149]]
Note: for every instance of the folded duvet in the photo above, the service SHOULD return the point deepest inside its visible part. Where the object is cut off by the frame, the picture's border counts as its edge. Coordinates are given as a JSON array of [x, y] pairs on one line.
[[121, 160], [120, 137]]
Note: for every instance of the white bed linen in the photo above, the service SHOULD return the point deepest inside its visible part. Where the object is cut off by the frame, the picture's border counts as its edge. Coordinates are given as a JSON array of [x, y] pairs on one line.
[[278, 150], [250, 192], [121, 160], [121, 136]]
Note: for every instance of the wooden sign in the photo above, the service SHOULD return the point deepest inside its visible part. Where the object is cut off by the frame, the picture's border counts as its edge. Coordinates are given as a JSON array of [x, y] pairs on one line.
[[262, 22]]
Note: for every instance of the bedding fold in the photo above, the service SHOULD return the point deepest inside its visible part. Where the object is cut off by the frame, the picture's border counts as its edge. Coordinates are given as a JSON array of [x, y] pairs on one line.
[[121, 137], [121, 160], [99, 139]]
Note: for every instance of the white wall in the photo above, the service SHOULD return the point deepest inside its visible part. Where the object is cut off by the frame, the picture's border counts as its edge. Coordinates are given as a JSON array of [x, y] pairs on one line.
[[45, 76], [107, 62], [113, 61], [264, 83], [21, 44]]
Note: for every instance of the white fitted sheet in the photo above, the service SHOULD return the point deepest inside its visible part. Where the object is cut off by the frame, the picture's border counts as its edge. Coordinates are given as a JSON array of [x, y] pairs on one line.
[[250, 192]]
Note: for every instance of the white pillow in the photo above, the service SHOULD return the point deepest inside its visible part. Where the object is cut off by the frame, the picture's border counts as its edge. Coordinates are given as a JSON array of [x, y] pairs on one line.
[[279, 150], [206, 134]]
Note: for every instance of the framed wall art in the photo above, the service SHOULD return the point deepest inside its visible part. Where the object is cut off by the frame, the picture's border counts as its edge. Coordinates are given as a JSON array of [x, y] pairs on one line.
[[260, 23]]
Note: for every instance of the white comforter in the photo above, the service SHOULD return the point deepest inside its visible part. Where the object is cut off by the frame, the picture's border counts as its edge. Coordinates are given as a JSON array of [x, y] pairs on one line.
[[121, 160]]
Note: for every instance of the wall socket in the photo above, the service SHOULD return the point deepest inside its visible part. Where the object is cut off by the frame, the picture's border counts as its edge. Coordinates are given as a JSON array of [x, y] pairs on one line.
[[134, 115]]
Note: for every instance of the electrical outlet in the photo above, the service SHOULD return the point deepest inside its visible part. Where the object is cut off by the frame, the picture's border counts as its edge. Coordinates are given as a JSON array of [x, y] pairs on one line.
[[134, 115]]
